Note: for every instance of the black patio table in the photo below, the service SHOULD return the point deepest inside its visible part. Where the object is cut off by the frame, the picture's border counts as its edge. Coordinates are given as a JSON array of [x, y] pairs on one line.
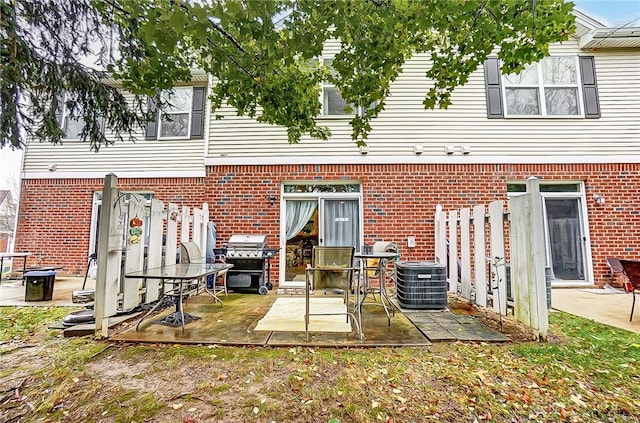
[[22, 255], [186, 278]]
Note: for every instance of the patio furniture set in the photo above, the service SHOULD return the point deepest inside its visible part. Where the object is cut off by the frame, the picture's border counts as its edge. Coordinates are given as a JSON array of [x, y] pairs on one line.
[[331, 272], [190, 277]]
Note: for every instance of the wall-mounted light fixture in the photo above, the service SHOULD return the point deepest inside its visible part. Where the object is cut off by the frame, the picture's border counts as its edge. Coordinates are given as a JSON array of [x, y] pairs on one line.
[[462, 149], [599, 199], [364, 149], [52, 167], [418, 149], [272, 200]]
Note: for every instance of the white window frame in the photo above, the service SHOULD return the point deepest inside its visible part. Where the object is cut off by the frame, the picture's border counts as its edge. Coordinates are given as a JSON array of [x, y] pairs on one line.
[[357, 110], [176, 112], [540, 88], [325, 85], [66, 114]]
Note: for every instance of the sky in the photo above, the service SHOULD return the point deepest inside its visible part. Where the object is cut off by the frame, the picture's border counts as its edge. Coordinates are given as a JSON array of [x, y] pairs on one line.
[[612, 13]]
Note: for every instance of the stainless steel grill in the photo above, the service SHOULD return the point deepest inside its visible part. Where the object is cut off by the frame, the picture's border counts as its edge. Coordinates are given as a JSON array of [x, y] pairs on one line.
[[249, 246], [251, 263]]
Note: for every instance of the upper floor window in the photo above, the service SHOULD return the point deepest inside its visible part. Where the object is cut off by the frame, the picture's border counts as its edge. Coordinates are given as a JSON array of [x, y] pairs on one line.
[[176, 119], [70, 121], [182, 118], [547, 88], [558, 86], [332, 102]]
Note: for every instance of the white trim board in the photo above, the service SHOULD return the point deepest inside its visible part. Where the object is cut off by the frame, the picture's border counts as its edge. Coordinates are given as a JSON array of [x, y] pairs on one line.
[[100, 175], [422, 159]]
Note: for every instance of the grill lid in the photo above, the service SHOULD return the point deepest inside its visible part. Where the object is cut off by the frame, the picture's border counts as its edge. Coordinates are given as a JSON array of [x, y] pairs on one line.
[[246, 246], [247, 242]]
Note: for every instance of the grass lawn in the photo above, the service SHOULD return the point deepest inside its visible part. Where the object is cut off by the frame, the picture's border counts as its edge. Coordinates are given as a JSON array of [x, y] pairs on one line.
[[587, 372]]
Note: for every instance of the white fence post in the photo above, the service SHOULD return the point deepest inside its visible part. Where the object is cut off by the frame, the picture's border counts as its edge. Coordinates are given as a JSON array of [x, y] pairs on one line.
[[154, 252], [203, 229], [465, 253], [172, 235], [109, 257], [453, 251], [479, 255], [528, 259], [134, 245], [441, 236], [185, 224], [196, 228], [496, 222]]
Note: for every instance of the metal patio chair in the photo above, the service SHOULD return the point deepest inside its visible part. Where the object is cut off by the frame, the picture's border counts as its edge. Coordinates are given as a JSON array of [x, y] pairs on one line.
[[614, 267], [190, 253], [631, 269], [374, 266], [332, 271]]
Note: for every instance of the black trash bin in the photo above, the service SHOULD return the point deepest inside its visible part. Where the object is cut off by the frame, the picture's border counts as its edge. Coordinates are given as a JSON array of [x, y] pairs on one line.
[[39, 285]]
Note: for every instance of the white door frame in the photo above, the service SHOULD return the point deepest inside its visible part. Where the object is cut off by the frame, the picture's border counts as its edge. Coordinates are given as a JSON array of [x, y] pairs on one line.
[[581, 195], [584, 227], [311, 196]]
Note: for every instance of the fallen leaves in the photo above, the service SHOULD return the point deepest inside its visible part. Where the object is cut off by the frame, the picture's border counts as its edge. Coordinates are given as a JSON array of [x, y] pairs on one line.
[[444, 382]]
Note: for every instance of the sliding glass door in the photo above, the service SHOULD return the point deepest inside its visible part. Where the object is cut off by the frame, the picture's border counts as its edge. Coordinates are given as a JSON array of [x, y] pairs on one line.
[[316, 214], [340, 223]]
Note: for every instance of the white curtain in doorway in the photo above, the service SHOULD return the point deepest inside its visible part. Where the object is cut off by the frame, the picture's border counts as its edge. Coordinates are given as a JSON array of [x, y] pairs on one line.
[[298, 214], [341, 226]]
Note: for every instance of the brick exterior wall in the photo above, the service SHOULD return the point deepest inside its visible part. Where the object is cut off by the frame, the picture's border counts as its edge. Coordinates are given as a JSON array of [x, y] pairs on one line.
[[399, 201]]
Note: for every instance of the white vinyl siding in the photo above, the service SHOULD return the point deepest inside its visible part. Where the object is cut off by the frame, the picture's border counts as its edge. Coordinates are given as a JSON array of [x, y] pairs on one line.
[[133, 158], [405, 122]]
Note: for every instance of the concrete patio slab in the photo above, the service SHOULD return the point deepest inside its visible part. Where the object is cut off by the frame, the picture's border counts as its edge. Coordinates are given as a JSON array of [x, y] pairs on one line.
[[233, 324], [610, 309], [12, 293], [235, 321]]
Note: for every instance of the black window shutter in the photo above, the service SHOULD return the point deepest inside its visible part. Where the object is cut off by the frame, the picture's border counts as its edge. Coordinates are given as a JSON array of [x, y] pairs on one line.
[[493, 88], [152, 126], [197, 113], [589, 87]]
